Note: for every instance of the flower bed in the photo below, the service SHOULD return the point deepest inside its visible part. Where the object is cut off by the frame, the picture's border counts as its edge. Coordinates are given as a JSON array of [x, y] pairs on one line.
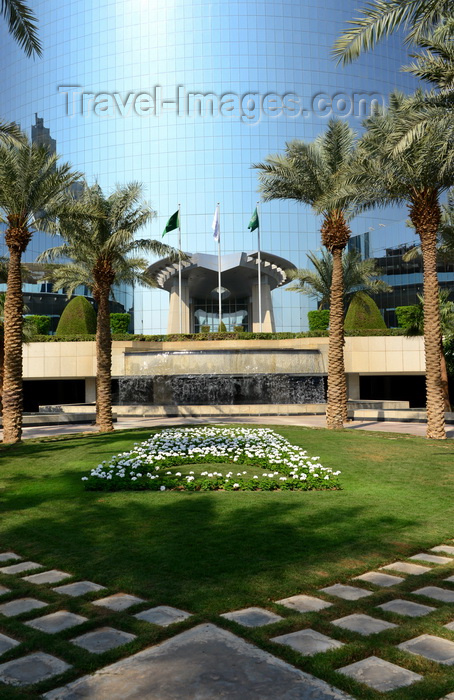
[[272, 463]]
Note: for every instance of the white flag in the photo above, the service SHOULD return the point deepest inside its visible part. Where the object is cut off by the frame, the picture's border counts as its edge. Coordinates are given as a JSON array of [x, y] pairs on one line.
[[216, 225]]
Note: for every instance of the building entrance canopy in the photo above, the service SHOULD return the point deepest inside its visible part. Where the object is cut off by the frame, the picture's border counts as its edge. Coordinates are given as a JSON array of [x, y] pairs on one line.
[[239, 281]]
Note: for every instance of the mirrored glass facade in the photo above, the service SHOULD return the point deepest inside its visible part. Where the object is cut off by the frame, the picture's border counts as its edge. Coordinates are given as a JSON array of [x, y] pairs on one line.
[[183, 96]]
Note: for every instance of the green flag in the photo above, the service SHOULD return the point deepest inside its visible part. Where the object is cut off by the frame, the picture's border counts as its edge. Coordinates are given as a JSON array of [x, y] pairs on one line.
[[173, 223], [254, 222]]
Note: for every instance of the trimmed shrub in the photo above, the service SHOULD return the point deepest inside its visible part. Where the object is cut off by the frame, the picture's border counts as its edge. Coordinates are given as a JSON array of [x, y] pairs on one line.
[[318, 320], [119, 323], [405, 315], [222, 328], [363, 314], [238, 329], [78, 318], [41, 324], [204, 329]]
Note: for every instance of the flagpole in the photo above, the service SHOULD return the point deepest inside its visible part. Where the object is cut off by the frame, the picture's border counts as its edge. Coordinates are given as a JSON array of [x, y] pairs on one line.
[[219, 268], [179, 270], [259, 265]]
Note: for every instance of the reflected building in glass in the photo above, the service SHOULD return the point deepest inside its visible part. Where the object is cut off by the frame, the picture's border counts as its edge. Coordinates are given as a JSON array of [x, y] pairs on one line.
[[183, 96]]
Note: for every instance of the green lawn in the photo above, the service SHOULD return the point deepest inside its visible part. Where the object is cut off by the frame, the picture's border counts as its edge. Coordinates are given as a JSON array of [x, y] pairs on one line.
[[218, 551]]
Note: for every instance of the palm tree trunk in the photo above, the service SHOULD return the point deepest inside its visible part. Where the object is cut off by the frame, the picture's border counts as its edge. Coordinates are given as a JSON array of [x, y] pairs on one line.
[[336, 411], [12, 326], [104, 362], [2, 367], [444, 380], [425, 215]]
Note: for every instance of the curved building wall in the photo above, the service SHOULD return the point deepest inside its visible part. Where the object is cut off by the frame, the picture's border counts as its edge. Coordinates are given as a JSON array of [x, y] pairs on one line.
[[116, 50]]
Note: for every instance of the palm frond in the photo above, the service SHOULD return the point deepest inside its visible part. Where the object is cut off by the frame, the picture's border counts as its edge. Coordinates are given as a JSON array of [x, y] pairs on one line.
[[22, 25], [381, 18]]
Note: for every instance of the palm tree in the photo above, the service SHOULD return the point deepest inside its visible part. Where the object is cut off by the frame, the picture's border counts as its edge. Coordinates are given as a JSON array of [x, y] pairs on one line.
[[22, 25], [416, 177], [381, 18], [32, 187], [358, 275], [416, 327], [103, 250], [305, 173]]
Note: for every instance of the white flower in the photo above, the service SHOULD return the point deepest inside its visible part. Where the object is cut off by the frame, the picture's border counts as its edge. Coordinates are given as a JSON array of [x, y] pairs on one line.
[[236, 486], [162, 488], [84, 478]]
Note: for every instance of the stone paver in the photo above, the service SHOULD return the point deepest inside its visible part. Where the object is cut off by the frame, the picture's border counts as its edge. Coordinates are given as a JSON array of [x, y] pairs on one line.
[[32, 668], [363, 624], [339, 590], [406, 568], [103, 639], [53, 576], [308, 642], [436, 593], [7, 643], [56, 622], [78, 588], [21, 605], [432, 558], [433, 648], [450, 626], [379, 674], [450, 579], [163, 615], [19, 568], [118, 601], [449, 697], [378, 579], [449, 549], [203, 662], [4, 589], [7, 556], [252, 617], [407, 608], [304, 603]]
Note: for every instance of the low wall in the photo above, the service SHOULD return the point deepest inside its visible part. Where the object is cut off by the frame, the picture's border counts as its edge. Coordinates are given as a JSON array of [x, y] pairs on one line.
[[363, 355]]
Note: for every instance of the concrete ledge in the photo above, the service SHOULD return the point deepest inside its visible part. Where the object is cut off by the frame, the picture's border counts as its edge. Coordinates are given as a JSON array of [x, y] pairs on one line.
[[376, 404], [58, 418], [170, 411], [410, 415]]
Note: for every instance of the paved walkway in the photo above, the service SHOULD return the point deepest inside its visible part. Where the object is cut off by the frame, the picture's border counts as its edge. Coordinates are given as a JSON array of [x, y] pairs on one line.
[[418, 429], [208, 661]]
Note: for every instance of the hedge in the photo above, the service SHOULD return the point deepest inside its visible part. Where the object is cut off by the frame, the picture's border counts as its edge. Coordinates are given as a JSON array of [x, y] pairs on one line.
[[119, 323], [78, 318], [318, 320], [40, 323], [405, 315], [219, 336]]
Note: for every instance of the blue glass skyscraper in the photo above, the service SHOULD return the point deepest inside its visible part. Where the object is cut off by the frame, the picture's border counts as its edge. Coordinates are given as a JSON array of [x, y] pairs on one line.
[[183, 96]]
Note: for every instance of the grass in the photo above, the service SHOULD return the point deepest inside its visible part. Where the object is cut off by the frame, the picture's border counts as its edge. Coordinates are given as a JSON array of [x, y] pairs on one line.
[[218, 551]]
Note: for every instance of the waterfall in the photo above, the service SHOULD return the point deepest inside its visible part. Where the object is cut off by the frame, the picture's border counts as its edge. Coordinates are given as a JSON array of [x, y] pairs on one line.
[[209, 389]]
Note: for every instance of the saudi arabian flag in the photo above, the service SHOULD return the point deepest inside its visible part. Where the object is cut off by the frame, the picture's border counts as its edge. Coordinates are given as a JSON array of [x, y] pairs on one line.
[[254, 222], [173, 223]]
